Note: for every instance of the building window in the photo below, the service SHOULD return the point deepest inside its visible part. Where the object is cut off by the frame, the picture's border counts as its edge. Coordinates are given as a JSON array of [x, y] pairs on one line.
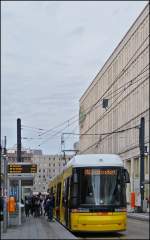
[[39, 170], [43, 170], [39, 176]]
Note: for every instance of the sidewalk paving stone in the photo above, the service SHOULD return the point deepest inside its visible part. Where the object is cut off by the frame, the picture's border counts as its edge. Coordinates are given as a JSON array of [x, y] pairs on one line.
[[139, 216], [37, 228]]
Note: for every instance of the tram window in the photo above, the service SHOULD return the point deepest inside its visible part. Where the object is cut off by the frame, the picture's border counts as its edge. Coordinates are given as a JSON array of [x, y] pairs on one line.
[[65, 192], [126, 176], [75, 178], [58, 194], [73, 193]]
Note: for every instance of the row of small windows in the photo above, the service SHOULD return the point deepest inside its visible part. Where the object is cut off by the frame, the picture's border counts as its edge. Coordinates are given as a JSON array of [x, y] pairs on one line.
[[40, 170], [40, 176], [52, 169]]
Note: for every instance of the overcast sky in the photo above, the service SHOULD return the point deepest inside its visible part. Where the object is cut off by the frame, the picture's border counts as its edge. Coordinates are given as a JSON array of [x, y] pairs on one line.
[[51, 52]]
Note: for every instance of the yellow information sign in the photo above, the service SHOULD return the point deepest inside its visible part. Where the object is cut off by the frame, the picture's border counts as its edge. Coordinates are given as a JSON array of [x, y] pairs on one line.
[[22, 168]]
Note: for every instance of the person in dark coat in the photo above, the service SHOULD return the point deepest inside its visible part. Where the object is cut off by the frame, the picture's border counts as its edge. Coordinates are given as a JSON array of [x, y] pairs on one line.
[[50, 206], [37, 207], [27, 207], [45, 206]]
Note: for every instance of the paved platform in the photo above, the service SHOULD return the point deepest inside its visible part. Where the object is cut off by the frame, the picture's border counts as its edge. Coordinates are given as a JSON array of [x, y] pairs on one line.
[[139, 216], [37, 228]]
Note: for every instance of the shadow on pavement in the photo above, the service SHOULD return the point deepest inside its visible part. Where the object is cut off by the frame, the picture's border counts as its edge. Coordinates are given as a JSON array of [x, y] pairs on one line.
[[110, 235]]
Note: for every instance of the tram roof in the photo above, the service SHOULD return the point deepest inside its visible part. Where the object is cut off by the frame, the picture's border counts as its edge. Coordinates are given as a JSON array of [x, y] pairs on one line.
[[95, 160]]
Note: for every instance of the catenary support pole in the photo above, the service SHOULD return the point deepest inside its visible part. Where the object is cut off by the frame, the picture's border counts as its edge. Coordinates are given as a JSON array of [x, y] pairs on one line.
[[19, 140], [141, 144], [19, 201]]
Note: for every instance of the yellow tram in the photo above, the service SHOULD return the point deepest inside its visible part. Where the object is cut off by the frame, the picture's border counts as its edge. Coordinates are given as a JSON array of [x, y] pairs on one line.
[[90, 193]]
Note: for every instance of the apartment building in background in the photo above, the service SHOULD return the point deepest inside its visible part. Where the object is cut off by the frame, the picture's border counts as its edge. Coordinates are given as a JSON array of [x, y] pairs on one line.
[[26, 154], [48, 166], [117, 99]]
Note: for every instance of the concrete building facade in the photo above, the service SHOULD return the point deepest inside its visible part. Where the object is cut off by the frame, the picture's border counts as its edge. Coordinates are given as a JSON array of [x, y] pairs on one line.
[[26, 155], [48, 166], [124, 81]]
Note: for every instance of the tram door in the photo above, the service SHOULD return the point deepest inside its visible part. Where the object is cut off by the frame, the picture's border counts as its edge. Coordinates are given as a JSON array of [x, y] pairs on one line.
[[65, 201], [58, 200]]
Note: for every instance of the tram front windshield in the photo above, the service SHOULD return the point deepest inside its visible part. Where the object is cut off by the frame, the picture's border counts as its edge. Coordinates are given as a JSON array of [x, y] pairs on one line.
[[102, 187]]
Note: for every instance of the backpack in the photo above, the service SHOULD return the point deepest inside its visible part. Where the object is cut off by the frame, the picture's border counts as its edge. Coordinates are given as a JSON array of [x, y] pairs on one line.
[[26, 201]]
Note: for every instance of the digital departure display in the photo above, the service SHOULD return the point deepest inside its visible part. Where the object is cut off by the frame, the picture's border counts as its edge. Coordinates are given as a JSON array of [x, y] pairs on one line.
[[100, 172], [20, 168]]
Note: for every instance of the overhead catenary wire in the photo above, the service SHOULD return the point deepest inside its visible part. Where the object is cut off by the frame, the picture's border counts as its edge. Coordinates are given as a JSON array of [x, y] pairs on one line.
[[131, 81], [55, 134], [92, 107], [59, 125], [107, 133], [109, 108], [118, 77], [60, 131], [25, 126], [123, 71], [135, 127], [94, 124]]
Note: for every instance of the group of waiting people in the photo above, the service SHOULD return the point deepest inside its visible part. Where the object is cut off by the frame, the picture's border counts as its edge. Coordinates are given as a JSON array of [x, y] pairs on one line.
[[39, 205]]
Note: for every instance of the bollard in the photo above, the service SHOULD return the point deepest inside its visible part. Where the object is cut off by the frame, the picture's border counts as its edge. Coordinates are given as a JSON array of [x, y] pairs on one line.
[[132, 201], [11, 205]]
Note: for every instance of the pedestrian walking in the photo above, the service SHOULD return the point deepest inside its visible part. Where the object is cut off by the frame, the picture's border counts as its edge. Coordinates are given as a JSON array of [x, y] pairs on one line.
[[27, 207], [50, 207], [37, 207], [45, 206]]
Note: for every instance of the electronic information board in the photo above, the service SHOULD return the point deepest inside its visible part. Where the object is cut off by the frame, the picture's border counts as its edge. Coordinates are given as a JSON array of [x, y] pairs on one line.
[[22, 168]]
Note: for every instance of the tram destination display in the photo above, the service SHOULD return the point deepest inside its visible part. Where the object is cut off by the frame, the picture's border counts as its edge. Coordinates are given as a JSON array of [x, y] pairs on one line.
[[22, 168], [100, 171]]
